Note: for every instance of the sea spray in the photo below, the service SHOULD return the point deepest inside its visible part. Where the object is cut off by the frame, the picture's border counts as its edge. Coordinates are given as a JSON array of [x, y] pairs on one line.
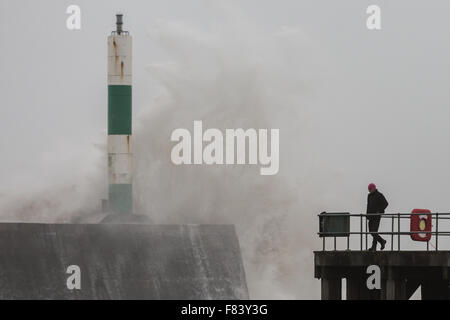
[[232, 75]]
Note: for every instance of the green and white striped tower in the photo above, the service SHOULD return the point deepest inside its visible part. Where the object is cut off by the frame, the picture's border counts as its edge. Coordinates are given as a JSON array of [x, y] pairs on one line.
[[120, 156]]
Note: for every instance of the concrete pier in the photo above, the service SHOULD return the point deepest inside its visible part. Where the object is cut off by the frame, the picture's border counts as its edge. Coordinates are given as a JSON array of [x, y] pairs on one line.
[[402, 272], [121, 261]]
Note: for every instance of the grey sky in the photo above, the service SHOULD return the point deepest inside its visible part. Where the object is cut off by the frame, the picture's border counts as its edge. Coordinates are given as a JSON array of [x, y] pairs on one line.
[[377, 84], [374, 103]]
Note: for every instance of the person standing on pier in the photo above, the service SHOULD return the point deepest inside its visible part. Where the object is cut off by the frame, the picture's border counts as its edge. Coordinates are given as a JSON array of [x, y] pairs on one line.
[[376, 204]]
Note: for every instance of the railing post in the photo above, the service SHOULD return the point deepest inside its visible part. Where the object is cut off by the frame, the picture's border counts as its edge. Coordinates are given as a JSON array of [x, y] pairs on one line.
[[398, 231], [366, 235], [437, 229], [361, 231], [392, 234]]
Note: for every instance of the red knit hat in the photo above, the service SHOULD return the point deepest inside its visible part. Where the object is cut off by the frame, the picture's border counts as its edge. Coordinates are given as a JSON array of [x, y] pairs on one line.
[[372, 186]]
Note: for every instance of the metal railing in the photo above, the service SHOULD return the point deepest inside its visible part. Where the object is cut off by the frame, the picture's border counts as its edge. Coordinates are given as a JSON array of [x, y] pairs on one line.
[[395, 219]]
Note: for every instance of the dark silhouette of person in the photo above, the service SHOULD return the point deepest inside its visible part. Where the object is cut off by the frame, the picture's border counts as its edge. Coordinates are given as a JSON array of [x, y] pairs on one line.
[[376, 204]]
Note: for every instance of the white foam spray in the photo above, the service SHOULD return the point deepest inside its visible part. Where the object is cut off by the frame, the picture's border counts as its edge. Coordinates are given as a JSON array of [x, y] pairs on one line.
[[233, 75]]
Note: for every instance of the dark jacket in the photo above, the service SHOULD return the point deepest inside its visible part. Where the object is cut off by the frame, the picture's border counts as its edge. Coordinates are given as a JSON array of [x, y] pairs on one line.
[[376, 202]]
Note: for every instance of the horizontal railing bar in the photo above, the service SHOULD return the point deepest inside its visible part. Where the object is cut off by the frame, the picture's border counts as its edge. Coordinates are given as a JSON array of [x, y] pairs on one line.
[[443, 233], [380, 214]]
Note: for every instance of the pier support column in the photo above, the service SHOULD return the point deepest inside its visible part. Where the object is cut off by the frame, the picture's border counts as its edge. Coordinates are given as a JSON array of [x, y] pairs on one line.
[[354, 288], [395, 285], [357, 288], [395, 289], [331, 288], [435, 289]]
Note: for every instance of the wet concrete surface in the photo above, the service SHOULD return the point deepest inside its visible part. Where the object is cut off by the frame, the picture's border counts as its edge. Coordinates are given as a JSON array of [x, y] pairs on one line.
[[121, 261]]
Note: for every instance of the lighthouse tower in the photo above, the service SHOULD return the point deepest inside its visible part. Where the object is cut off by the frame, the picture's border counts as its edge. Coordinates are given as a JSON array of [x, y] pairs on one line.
[[120, 156]]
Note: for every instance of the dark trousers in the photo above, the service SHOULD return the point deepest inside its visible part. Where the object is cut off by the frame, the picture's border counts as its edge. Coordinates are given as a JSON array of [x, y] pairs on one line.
[[374, 224]]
